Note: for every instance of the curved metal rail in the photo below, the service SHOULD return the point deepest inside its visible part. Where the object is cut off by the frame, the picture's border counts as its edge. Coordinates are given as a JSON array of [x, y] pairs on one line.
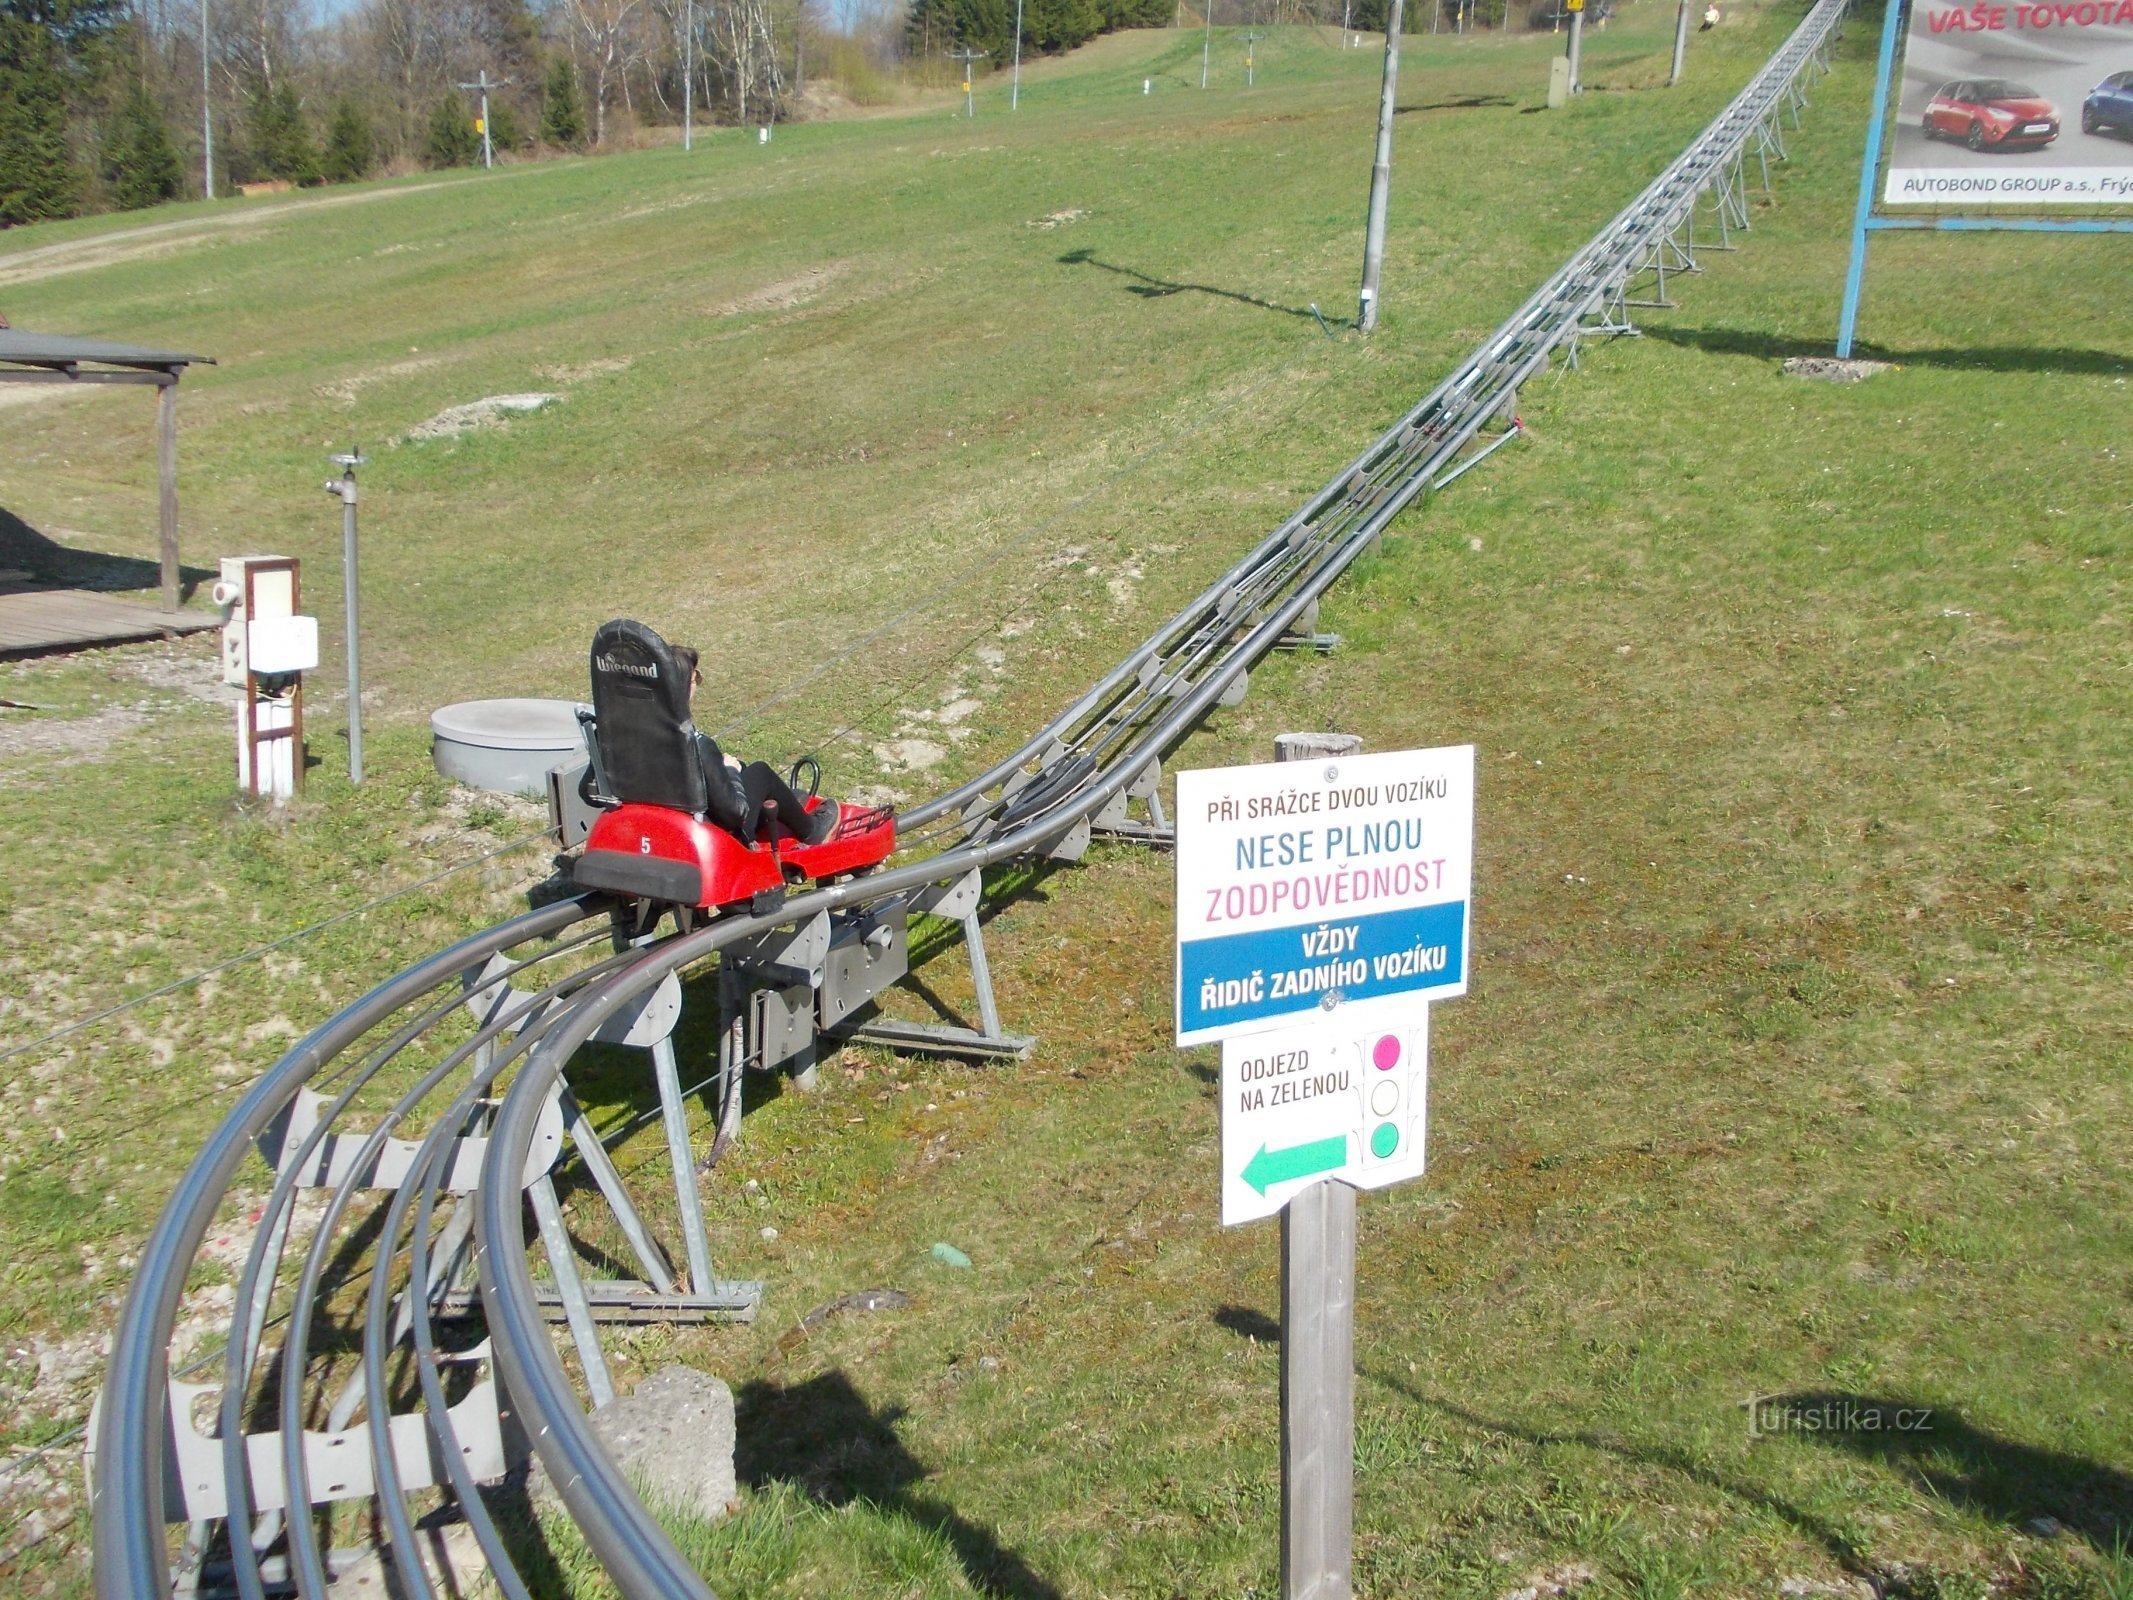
[[409, 1045]]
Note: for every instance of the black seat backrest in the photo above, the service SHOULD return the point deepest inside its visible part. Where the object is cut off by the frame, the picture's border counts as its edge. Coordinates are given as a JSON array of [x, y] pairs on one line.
[[640, 695]]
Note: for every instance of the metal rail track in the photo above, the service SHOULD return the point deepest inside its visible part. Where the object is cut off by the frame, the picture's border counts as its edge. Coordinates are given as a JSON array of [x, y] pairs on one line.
[[409, 1054]]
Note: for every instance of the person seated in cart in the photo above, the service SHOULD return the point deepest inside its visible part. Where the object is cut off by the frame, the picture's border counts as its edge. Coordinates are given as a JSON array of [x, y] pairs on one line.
[[741, 791], [652, 759]]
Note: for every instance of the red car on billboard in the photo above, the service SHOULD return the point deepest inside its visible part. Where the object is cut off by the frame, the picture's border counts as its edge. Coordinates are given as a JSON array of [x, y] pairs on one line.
[[1992, 114]]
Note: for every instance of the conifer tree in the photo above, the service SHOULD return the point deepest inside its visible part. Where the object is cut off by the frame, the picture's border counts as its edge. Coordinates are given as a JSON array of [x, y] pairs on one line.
[[350, 149], [504, 130], [37, 174], [281, 143], [140, 166], [562, 107], [452, 141]]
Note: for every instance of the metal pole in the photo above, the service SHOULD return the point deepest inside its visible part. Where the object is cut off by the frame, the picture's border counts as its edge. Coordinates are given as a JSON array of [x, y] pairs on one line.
[[1207, 38], [1251, 41], [1380, 175], [344, 488], [674, 1112], [1869, 168], [969, 58], [207, 113], [1577, 45], [1681, 43], [688, 74], [981, 976], [1318, 1350], [481, 82], [1014, 97]]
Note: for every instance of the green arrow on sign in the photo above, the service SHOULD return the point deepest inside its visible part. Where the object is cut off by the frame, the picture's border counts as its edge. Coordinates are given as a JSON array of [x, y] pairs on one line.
[[1270, 1167]]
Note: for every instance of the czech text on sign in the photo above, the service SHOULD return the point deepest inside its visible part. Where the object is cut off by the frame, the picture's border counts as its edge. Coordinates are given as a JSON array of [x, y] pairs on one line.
[[1307, 885], [1331, 1097]]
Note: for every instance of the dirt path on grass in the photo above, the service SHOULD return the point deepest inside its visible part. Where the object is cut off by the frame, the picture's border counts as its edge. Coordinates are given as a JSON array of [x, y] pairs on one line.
[[158, 238]]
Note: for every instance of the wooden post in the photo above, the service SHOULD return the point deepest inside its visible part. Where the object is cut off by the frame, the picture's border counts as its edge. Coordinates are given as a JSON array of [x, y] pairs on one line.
[[1318, 1349], [1318, 1393], [167, 484]]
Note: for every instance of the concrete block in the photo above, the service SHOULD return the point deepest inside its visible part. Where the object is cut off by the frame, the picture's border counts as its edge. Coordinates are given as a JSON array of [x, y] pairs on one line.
[[673, 1437]]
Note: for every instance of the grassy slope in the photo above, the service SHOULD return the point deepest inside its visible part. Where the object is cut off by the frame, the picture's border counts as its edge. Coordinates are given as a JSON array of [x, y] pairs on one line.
[[1797, 1054], [837, 388]]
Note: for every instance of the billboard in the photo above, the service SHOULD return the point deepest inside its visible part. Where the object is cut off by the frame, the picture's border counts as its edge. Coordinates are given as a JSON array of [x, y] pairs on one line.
[[2017, 104]]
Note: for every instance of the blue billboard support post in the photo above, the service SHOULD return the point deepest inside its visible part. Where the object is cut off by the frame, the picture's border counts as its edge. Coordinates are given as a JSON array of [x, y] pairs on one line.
[[1869, 169]]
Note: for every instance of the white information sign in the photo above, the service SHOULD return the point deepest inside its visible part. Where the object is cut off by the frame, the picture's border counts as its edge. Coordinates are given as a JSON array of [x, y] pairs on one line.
[[1337, 885], [1327, 1098]]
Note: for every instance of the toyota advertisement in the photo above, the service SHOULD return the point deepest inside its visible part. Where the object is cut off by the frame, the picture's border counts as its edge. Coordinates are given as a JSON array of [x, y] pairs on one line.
[[2018, 104]]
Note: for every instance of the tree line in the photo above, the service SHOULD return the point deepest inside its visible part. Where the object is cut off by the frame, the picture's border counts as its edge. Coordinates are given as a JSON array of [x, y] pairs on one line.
[[113, 104], [934, 27]]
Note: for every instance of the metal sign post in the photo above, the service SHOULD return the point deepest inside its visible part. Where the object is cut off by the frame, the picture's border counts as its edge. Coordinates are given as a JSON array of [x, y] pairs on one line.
[[1251, 39], [969, 58], [344, 489], [1366, 316], [1321, 903], [481, 82]]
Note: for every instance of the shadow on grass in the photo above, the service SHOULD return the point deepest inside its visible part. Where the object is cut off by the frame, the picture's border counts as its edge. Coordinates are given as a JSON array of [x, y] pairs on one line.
[[823, 1439], [1246, 1323], [1471, 102], [933, 937], [1984, 358], [518, 1521], [1952, 1459], [23, 548], [1833, 1539], [1962, 1464], [1149, 287]]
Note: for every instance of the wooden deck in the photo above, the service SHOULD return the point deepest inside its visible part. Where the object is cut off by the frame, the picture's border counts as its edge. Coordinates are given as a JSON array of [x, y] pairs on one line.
[[34, 621]]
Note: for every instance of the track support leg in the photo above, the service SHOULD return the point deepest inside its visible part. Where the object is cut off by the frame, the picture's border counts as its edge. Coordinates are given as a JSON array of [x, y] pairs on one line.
[[577, 1312]]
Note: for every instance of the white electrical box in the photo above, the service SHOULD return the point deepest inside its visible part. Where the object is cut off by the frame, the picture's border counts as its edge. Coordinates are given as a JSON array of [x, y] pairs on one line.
[[272, 591], [282, 644]]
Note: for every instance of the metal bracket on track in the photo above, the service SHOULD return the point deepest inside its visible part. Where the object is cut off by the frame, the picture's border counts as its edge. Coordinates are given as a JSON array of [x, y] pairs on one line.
[[957, 900], [1303, 634], [1115, 821]]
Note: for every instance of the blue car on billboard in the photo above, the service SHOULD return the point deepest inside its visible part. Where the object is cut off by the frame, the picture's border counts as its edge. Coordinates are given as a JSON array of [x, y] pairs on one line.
[[2109, 105]]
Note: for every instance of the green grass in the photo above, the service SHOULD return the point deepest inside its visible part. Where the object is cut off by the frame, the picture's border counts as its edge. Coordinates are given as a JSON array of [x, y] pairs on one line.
[[1796, 1059]]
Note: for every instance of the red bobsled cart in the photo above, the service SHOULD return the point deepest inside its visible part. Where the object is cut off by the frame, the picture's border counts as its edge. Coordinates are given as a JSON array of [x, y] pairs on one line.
[[683, 824]]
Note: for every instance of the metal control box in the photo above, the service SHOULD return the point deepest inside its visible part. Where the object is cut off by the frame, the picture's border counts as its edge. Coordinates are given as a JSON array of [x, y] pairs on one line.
[[868, 951]]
